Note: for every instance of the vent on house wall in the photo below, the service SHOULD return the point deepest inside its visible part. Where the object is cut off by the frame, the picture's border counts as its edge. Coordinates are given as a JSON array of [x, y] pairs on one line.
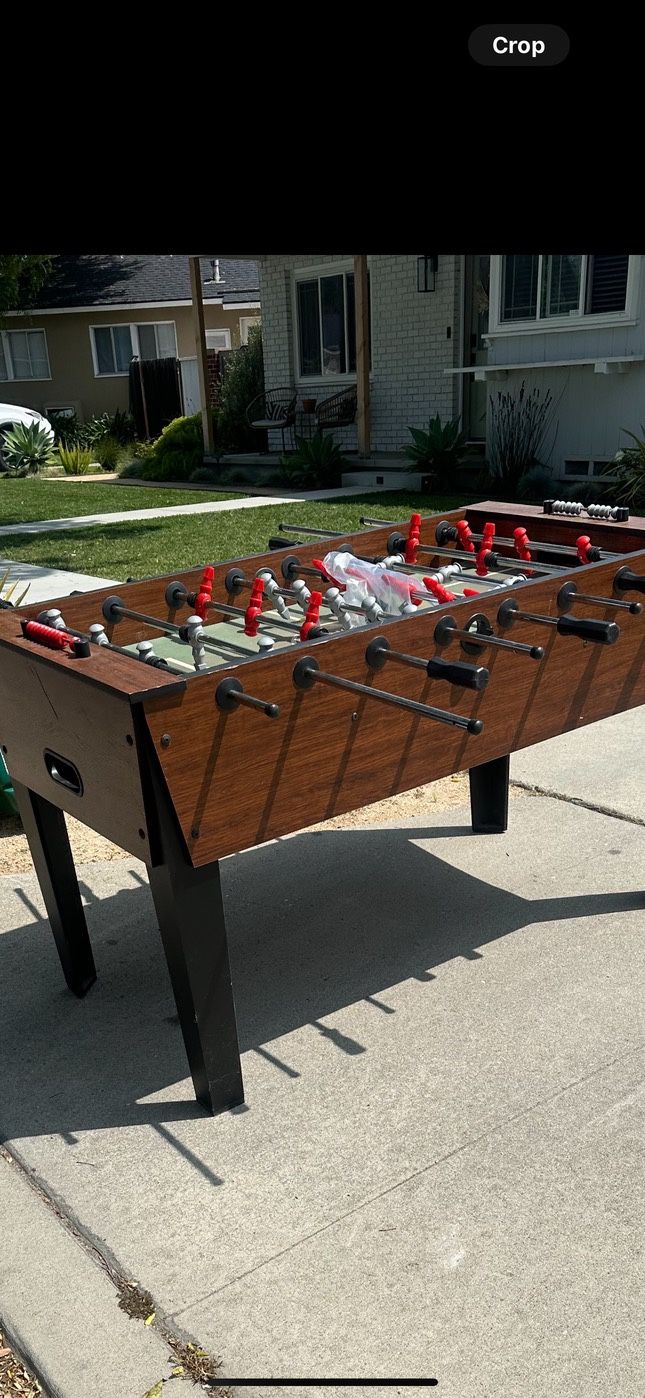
[[581, 468]]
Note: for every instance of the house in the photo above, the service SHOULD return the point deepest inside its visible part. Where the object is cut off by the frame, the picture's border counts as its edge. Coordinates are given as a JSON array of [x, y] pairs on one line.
[[448, 332], [73, 348]]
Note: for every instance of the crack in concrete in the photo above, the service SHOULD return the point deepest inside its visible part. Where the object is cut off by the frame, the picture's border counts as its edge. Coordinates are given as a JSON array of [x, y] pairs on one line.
[[578, 801], [102, 1256], [416, 1174]]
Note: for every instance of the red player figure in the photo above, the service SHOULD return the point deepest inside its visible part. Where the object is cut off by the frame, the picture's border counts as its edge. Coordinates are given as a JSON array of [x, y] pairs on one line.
[[412, 542], [205, 595], [465, 536], [522, 549], [583, 544], [312, 616], [254, 610], [438, 590]]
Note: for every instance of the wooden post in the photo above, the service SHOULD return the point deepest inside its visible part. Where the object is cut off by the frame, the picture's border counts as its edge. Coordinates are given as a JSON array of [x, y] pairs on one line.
[[200, 350], [143, 401], [361, 306]]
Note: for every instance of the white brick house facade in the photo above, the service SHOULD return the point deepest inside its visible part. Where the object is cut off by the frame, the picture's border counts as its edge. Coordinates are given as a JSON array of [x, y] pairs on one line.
[[415, 338]]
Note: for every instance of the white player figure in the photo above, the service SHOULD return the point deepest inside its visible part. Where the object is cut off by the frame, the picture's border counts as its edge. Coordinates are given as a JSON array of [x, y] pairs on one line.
[[272, 591], [196, 637]]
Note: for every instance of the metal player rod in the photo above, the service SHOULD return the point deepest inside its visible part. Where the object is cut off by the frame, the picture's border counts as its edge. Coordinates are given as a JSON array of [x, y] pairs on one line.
[[446, 629], [169, 628], [317, 533], [503, 565], [496, 541], [307, 673]]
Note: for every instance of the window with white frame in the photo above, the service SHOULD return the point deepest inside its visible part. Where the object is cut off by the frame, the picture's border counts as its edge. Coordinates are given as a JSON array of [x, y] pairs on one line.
[[23, 355], [326, 324], [113, 346], [218, 339], [538, 287]]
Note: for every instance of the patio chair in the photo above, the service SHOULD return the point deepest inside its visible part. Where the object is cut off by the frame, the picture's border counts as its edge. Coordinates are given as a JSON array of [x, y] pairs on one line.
[[337, 411], [273, 410]]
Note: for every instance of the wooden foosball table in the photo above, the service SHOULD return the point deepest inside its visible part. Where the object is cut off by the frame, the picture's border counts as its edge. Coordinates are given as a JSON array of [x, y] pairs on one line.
[[190, 716]]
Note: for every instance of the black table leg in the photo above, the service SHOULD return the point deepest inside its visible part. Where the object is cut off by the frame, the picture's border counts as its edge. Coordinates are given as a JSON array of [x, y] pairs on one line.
[[46, 832], [191, 919], [489, 796]]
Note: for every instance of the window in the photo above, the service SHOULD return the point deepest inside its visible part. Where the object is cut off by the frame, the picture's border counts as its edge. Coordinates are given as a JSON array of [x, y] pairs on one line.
[[326, 325], [218, 339], [113, 346], [245, 325], [23, 355], [538, 287], [580, 468]]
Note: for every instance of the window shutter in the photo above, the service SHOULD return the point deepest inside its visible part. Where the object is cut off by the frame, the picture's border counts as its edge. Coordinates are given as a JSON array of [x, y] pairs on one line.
[[607, 283]]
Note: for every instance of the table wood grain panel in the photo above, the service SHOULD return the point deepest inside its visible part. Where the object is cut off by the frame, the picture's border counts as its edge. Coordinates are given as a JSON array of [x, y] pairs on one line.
[[44, 707], [240, 779]]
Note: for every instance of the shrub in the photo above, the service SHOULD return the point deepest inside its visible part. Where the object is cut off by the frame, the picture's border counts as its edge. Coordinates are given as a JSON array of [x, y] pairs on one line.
[[535, 484], [629, 466], [318, 461], [7, 590], [67, 428], [108, 452], [77, 460], [25, 448], [132, 471], [206, 475], [440, 450], [520, 426], [118, 425], [242, 382]]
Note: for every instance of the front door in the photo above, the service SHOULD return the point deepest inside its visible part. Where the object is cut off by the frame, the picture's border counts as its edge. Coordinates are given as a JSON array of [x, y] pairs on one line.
[[477, 286]]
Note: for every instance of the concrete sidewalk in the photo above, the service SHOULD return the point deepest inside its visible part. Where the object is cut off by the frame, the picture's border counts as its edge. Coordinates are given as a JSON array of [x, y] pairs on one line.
[[438, 1169], [246, 502], [48, 582]]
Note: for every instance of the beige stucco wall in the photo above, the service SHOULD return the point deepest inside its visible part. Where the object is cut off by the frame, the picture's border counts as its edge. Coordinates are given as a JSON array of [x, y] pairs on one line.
[[70, 354]]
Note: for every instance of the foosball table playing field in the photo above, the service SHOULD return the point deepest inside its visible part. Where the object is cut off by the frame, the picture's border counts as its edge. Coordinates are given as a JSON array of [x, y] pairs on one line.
[[191, 716]]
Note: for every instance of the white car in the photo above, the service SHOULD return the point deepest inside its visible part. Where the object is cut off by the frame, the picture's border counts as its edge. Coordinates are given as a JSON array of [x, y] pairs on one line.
[[10, 414]]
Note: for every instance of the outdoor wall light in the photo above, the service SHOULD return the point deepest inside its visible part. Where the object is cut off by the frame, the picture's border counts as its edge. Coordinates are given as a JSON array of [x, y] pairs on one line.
[[427, 272]]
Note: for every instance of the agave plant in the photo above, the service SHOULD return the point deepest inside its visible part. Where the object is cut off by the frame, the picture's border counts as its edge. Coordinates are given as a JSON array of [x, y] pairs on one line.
[[316, 461], [440, 450], [25, 448], [7, 590]]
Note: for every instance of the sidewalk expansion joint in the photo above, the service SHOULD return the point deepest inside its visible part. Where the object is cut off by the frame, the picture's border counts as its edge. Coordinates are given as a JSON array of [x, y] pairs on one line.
[[578, 801], [137, 1303]]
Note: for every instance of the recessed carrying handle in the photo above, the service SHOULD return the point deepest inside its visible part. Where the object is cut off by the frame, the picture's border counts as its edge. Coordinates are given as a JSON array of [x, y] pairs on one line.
[[63, 772]]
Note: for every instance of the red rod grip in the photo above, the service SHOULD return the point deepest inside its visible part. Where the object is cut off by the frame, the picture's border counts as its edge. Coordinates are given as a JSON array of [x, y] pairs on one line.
[[47, 635]]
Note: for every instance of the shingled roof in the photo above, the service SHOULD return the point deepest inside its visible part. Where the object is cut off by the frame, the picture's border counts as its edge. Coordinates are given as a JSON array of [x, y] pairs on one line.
[[128, 280]]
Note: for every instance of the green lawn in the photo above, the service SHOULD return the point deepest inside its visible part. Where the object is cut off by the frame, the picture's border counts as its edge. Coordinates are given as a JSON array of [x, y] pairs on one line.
[[146, 547], [22, 501]]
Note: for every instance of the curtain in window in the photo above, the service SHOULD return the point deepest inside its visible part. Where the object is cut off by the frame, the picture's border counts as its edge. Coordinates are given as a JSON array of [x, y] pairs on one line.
[[332, 306], [166, 343], [147, 342], [519, 286], [122, 347], [20, 354], [103, 347], [561, 284], [309, 328]]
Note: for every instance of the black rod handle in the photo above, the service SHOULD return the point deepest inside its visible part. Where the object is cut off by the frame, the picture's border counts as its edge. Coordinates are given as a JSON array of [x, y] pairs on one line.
[[230, 693], [307, 673], [604, 633], [275, 543], [627, 581], [456, 672]]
